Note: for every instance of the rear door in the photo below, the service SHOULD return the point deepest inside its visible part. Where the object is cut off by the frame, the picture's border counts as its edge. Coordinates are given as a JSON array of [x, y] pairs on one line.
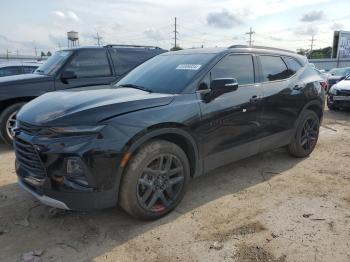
[[230, 121], [91, 67], [282, 99]]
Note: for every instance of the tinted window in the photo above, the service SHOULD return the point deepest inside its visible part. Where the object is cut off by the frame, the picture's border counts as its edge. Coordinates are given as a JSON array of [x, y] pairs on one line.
[[127, 59], [54, 63], [28, 69], [235, 66], [167, 73], [9, 71], [90, 63], [293, 65], [273, 68]]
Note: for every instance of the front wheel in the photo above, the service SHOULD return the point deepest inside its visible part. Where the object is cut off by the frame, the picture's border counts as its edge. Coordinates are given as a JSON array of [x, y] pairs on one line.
[[155, 180], [7, 122], [306, 136]]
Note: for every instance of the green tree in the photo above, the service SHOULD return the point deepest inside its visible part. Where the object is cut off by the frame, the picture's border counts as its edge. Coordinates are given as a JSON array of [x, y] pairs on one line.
[[42, 54], [49, 53]]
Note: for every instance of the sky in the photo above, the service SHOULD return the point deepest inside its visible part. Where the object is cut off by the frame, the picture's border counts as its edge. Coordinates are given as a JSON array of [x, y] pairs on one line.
[[289, 24]]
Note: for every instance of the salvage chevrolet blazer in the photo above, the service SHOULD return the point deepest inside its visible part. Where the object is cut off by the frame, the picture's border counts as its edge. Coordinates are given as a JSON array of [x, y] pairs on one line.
[[175, 117]]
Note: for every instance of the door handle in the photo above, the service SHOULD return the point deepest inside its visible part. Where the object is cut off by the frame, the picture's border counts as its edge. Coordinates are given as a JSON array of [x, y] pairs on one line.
[[255, 99], [298, 87]]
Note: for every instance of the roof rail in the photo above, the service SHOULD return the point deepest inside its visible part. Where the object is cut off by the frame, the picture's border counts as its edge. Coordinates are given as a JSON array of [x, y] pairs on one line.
[[134, 46], [261, 47]]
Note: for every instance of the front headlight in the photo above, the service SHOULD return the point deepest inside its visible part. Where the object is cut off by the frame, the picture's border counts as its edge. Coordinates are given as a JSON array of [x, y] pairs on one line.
[[333, 90], [77, 129]]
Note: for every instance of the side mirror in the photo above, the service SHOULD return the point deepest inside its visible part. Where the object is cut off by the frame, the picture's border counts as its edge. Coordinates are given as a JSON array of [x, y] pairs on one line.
[[68, 75], [224, 85]]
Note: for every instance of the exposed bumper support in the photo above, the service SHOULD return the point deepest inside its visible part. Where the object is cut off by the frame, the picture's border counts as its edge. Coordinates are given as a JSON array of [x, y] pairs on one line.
[[44, 199]]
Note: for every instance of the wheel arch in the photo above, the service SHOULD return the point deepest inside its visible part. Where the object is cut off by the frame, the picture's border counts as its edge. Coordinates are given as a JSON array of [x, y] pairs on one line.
[[6, 103], [314, 105], [172, 132]]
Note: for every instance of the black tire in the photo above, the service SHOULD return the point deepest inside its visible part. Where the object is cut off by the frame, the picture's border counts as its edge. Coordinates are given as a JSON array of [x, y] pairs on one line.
[[4, 118], [330, 106], [305, 139], [136, 180]]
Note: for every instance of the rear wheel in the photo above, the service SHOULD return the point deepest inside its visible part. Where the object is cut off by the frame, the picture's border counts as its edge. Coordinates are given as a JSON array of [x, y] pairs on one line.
[[155, 180], [331, 106], [7, 122], [306, 136]]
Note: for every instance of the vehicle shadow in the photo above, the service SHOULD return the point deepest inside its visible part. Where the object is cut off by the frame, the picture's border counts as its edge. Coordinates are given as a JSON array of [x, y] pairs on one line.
[[100, 231]]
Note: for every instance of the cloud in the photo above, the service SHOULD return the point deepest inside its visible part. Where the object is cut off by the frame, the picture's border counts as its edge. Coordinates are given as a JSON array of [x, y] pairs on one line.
[[67, 16], [313, 16], [223, 19], [308, 30], [153, 34], [336, 26], [275, 38]]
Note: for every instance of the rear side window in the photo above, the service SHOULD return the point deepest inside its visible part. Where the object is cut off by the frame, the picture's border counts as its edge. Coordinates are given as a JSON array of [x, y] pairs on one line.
[[90, 63], [127, 59], [239, 67], [9, 71], [293, 65], [273, 68]]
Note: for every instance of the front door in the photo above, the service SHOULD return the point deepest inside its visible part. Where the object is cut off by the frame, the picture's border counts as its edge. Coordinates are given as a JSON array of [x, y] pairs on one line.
[[90, 67], [230, 121]]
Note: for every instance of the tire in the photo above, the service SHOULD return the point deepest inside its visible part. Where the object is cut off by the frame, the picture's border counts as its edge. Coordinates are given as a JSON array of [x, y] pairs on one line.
[[305, 140], [5, 116], [330, 106], [139, 187]]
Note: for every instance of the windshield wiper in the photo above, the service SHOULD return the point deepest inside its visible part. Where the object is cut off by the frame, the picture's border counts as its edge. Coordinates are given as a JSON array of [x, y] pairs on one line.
[[137, 87]]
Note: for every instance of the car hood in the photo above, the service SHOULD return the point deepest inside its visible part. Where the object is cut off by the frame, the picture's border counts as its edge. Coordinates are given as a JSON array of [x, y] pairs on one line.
[[22, 79], [343, 85], [67, 108]]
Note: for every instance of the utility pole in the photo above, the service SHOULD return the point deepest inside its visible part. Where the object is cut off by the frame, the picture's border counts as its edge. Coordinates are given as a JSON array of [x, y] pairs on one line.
[[36, 51], [98, 38], [312, 45], [175, 34], [250, 33]]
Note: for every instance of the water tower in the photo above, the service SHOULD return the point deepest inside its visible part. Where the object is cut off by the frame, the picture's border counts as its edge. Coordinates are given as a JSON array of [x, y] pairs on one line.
[[73, 38]]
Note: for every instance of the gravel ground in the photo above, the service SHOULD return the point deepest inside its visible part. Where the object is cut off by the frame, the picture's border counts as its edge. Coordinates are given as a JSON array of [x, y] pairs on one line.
[[270, 207]]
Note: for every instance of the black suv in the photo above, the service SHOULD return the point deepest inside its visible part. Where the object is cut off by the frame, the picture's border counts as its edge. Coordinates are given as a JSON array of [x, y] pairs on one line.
[[71, 68], [175, 117]]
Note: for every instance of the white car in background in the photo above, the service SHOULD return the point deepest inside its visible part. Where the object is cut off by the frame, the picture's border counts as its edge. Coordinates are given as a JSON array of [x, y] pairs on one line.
[[339, 95]]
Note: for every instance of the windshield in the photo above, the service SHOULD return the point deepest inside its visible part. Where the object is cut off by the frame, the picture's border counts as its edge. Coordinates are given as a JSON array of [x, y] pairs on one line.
[[338, 71], [166, 73], [54, 63]]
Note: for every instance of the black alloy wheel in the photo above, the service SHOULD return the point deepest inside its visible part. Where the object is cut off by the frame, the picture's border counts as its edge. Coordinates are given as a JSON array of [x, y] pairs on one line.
[[155, 180], [161, 183]]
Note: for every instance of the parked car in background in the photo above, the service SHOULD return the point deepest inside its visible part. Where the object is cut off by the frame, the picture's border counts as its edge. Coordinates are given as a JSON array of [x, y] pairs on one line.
[[337, 74], [67, 69], [339, 95], [10, 68], [176, 116], [323, 82]]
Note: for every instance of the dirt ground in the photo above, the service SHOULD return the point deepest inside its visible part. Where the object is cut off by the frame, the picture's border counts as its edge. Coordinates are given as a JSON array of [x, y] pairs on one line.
[[270, 207]]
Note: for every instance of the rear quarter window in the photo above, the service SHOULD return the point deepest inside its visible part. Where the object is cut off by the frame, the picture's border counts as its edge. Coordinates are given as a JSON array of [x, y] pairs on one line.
[[273, 68], [126, 60], [293, 65]]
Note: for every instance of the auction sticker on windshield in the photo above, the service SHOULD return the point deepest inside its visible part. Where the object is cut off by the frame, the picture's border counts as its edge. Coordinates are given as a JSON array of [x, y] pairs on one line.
[[188, 67]]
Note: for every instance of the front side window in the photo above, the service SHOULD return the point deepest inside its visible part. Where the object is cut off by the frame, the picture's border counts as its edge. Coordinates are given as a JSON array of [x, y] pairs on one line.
[[169, 73], [239, 67], [54, 63], [273, 68], [29, 69], [90, 63]]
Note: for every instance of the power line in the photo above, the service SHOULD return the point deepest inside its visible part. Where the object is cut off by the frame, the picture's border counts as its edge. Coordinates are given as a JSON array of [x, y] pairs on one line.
[[250, 33]]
